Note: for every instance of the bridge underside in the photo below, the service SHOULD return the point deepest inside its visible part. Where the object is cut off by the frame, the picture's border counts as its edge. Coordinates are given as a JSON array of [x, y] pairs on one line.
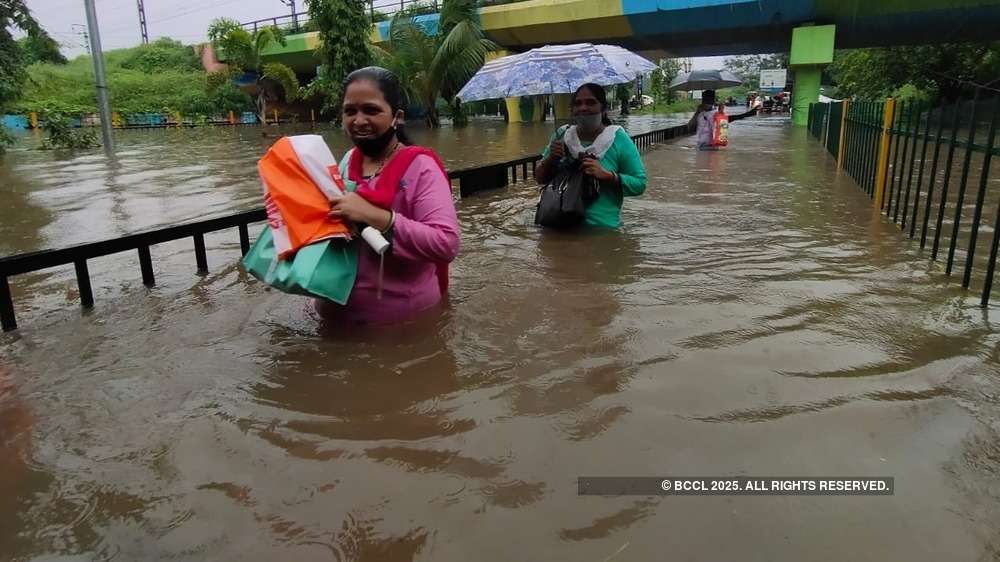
[[706, 27]]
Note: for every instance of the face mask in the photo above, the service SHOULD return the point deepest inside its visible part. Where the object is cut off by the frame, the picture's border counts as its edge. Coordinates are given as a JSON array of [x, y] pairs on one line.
[[372, 147], [588, 122]]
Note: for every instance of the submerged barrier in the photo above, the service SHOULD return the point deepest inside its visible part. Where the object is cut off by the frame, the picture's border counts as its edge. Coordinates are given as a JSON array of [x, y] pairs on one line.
[[155, 120], [470, 180], [904, 156]]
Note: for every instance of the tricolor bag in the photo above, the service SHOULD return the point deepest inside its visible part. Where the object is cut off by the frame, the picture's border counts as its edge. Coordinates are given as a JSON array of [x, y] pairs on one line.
[[325, 269]]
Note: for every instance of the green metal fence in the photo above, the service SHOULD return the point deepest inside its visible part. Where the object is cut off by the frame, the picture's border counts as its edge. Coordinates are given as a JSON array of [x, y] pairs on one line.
[[917, 162]]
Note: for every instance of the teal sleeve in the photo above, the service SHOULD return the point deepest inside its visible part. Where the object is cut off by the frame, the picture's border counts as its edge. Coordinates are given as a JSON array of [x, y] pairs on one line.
[[631, 169], [545, 152], [558, 134]]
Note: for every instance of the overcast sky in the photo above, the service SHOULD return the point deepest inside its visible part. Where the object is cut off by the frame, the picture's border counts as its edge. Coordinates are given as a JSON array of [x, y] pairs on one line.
[[184, 20]]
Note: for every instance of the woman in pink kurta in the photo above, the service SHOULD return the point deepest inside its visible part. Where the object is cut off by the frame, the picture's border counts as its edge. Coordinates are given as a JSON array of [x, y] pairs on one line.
[[413, 207]]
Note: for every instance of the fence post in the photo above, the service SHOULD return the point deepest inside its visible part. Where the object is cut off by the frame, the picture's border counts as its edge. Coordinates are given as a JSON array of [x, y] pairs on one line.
[[843, 134], [7, 319], [883, 152]]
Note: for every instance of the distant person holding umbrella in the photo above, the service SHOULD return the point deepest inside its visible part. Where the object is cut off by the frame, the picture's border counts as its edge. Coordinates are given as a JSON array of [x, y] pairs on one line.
[[703, 120]]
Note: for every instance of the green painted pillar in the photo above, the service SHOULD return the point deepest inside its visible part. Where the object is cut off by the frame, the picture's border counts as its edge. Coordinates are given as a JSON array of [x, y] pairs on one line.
[[807, 79], [812, 49], [538, 115]]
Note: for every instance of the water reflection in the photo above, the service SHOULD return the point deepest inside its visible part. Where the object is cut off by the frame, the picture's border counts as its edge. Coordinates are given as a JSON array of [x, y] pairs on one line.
[[740, 323], [350, 388]]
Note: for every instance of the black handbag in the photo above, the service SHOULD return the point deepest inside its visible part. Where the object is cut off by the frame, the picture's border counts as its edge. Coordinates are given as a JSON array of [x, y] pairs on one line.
[[564, 199]]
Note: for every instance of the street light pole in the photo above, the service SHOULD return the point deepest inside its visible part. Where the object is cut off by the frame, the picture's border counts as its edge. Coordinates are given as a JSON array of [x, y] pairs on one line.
[[295, 17], [102, 83], [142, 23]]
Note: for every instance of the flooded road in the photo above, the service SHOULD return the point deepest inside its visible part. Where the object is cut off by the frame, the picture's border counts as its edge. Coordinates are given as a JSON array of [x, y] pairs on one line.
[[754, 317]]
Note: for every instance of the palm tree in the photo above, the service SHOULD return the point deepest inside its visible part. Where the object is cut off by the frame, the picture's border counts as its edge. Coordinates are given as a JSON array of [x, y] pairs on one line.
[[433, 66], [242, 51]]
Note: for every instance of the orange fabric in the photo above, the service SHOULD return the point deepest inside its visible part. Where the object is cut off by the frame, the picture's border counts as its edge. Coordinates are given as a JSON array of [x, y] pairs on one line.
[[294, 202]]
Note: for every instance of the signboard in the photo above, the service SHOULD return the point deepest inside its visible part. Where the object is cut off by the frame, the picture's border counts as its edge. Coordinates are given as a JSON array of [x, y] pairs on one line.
[[773, 79]]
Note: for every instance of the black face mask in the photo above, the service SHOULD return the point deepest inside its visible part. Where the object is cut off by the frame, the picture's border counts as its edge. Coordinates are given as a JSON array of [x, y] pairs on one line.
[[374, 146]]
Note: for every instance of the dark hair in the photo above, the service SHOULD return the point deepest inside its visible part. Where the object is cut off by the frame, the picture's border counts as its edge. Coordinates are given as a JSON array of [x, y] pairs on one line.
[[602, 98], [708, 93], [388, 84]]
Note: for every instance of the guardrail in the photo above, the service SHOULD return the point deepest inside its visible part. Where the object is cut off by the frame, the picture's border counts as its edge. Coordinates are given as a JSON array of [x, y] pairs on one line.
[[297, 21], [378, 10], [877, 144], [470, 180]]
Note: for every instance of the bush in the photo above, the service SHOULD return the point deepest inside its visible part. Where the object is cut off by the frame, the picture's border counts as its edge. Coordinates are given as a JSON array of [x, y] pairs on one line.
[[162, 76], [5, 140], [62, 134], [909, 93]]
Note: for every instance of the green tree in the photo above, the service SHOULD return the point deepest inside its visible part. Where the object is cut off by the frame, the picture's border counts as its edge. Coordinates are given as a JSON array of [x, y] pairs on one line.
[[946, 72], [748, 67], [344, 30], [40, 47], [437, 65], [14, 14], [164, 53], [623, 93], [243, 50], [667, 70]]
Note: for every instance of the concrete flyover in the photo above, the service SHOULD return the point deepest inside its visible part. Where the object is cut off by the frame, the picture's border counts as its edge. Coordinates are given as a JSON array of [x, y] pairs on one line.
[[715, 27]]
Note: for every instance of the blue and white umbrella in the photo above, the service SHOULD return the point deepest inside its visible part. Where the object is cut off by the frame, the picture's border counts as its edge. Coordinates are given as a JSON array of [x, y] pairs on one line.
[[555, 69]]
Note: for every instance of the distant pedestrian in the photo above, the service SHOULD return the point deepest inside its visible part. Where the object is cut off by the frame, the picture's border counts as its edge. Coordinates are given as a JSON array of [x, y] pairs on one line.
[[703, 121]]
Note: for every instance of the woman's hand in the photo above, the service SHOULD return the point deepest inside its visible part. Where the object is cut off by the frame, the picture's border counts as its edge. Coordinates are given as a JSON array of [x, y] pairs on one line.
[[355, 208], [557, 150], [592, 167]]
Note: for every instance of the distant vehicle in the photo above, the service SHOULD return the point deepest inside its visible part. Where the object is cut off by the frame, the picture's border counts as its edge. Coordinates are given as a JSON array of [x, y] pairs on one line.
[[637, 101]]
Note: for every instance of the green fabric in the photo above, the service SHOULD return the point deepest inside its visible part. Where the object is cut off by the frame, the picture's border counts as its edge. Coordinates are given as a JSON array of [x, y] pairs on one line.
[[324, 269], [623, 159]]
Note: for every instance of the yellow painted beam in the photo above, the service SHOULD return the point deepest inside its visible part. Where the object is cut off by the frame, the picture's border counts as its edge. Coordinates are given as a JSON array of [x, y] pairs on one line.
[[843, 134], [883, 153], [554, 21]]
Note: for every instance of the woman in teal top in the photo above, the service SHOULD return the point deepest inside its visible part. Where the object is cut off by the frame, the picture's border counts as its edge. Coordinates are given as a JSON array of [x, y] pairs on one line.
[[606, 150]]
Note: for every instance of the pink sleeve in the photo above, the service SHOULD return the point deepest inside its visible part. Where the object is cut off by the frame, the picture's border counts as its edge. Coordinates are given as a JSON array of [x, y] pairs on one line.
[[427, 229]]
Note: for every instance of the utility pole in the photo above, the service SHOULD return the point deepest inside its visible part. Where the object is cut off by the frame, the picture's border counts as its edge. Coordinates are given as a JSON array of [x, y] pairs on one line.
[[83, 33], [102, 84], [142, 23], [295, 17]]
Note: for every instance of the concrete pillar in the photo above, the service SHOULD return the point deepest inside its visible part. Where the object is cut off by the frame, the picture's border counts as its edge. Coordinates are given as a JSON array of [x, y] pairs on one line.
[[513, 110], [562, 106], [513, 104], [538, 115], [807, 79], [812, 49]]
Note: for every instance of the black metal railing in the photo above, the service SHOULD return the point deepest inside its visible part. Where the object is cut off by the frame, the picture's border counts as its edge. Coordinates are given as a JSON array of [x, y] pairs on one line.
[[378, 10], [470, 180], [917, 162]]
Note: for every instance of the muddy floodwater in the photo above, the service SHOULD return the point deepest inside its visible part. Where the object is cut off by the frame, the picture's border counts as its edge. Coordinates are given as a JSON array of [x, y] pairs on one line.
[[753, 317]]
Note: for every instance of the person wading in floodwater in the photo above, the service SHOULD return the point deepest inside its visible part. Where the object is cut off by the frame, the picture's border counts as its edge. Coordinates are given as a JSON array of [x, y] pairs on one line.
[[703, 120], [414, 209], [606, 151]]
